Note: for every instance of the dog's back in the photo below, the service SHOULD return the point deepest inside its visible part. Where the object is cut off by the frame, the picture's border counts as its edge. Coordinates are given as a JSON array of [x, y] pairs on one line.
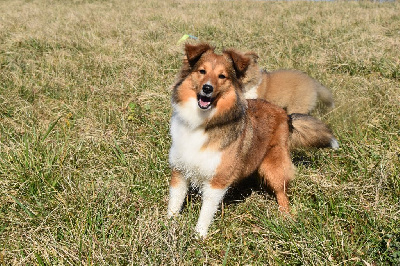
[[292, 90]]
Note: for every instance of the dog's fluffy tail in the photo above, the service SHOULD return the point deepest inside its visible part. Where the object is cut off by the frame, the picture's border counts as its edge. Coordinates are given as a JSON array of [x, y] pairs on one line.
[[325, 96], [307, 131]]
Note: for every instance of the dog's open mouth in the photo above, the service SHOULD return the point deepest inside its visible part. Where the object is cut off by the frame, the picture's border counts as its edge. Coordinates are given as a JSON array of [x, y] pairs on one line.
[[204, 101]]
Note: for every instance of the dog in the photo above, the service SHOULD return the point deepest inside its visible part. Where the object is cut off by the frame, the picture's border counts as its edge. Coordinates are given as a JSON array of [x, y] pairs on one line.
[[292, 90], [220, 138]]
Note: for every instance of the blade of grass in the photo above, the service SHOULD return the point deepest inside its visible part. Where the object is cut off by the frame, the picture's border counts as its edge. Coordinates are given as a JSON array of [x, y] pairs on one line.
[[226, 255], [119, 153], [31, 214], [51, 127], [39, 259]]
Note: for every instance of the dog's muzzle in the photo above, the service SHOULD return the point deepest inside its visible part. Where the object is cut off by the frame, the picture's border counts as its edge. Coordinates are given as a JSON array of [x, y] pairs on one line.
[[205, 96]]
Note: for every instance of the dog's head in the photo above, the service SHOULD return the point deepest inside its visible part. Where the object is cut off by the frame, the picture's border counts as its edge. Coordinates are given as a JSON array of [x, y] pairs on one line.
[[253, 74], [214, 77]]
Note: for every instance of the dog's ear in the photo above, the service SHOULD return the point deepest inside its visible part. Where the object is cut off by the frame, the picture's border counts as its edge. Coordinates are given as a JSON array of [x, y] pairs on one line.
[[239, 60], [253, 56], [194, 52]]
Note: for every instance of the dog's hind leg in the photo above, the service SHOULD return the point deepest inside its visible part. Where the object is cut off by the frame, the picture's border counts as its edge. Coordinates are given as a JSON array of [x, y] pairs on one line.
[[177, 192], [277, 170]]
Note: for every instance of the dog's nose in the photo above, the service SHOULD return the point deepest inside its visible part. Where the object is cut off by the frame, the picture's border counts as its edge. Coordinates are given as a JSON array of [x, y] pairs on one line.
[[207, 88]]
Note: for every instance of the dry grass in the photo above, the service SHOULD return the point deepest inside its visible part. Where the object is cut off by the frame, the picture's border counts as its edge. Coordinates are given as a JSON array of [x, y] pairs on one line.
[[84, 112]]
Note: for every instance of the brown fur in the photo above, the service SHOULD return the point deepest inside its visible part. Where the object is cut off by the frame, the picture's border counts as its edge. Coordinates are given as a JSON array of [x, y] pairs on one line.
[[292, 90], [175, 178], [262, 146]]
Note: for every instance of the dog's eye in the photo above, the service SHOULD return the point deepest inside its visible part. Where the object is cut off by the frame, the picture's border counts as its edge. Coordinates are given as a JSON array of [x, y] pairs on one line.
[[202, 71], [221, 76]]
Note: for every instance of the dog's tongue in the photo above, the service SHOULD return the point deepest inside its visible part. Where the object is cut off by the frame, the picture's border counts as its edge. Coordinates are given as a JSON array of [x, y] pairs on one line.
[[204, 102]]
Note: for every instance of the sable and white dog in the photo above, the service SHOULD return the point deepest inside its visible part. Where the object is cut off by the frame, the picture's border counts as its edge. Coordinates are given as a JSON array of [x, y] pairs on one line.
[[292, 90], [219, 137]]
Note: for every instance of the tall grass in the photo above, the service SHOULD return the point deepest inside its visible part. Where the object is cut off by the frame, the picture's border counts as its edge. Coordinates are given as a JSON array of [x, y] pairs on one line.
[[84, 118]]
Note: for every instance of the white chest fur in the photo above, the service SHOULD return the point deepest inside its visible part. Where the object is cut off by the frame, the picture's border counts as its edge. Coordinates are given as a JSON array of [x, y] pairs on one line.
[[187, 152]]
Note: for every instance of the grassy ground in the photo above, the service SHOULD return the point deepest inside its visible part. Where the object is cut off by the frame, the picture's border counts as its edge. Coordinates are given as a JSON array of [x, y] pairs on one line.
[[84, 114]]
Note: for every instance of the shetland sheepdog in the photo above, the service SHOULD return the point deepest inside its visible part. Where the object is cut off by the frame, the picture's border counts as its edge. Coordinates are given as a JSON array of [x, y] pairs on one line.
[[292, 90], [219, 137]]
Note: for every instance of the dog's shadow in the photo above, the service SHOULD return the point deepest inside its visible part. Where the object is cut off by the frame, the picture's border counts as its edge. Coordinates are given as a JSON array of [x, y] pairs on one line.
[[301, 158], [239, 191]]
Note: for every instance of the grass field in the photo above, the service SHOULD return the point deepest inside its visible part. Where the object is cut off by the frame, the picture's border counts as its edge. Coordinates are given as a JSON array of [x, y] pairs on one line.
[[84, 120]]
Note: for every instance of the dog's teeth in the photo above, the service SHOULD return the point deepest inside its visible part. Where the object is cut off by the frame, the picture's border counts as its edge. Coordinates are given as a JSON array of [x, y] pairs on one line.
[[204, 102]]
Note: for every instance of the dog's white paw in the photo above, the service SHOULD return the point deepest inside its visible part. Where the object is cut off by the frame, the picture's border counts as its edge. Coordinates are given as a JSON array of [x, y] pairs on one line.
[[201, 232], [171, 214]]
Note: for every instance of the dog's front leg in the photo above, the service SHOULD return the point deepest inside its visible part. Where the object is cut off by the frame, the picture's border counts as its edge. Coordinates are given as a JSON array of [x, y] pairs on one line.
[[177, 192], [211, 200]]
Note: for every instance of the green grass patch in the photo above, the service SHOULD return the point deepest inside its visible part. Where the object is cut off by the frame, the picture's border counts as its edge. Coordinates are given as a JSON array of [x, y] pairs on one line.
[[84, 133]]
